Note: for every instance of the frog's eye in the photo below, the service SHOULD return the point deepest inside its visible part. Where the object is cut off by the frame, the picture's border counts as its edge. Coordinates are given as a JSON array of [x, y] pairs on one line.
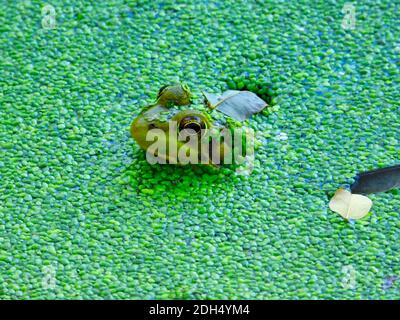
[[192, 122], [160, 91], [185, 88]]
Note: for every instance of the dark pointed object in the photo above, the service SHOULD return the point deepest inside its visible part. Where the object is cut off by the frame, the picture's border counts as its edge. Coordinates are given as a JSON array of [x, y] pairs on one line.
[[379, 180]]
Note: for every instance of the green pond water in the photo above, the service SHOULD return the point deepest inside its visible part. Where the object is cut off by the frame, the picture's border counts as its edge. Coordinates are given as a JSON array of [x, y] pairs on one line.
[[83, 215]]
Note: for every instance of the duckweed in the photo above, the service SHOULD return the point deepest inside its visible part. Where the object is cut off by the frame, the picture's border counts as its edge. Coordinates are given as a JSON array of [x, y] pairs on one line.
[[79, 199]]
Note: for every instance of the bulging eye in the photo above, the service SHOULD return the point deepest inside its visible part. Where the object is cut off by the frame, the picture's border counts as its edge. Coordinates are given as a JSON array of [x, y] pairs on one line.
[[194, 123]]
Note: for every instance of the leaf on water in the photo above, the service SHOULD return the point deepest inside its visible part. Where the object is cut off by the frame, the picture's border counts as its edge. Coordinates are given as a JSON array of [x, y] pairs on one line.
[[379, 180], [350, 206], [239, 105]]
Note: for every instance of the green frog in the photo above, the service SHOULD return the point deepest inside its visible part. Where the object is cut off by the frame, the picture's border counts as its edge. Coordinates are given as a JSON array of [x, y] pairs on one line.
[[171, 123]]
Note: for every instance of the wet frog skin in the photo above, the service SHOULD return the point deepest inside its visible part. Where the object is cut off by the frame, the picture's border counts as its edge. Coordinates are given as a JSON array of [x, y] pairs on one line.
[[164, 112]]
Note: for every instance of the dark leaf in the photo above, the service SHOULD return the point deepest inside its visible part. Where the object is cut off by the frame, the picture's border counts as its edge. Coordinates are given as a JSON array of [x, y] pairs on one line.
[[379, 180]]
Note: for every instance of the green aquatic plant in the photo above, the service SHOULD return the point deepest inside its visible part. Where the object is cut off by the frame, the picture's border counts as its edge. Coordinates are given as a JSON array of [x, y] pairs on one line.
[[68, 94]]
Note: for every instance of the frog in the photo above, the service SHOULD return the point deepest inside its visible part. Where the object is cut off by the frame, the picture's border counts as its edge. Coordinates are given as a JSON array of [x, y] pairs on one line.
[[173, 105]]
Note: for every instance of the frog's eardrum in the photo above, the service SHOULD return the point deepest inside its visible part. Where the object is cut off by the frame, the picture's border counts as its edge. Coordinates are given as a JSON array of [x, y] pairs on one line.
[[239, 105], [379, 180]]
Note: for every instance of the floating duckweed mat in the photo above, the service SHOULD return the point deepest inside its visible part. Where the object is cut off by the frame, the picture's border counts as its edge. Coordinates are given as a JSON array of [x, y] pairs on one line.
[[85, 216]]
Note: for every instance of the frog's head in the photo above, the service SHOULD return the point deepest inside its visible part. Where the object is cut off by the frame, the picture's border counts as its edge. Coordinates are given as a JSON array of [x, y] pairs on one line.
[[172, 127], [175, 94]]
